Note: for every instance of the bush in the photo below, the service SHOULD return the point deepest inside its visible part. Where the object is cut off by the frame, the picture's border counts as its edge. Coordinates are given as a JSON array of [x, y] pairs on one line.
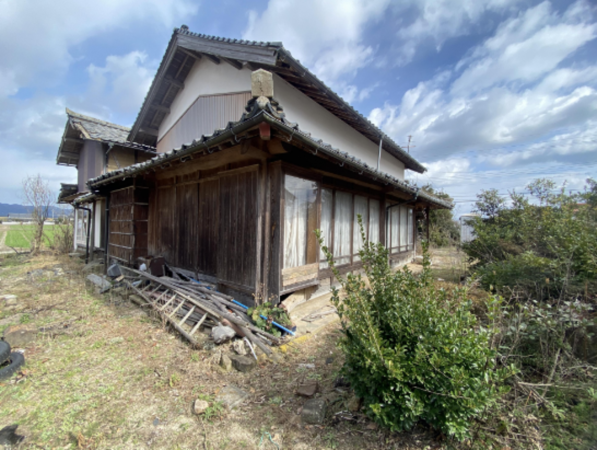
[[543, 246], [64, 237], [413, 352]]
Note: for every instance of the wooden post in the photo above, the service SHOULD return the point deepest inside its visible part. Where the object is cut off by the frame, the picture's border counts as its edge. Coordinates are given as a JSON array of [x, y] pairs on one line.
[[92, 218], [427, 222]]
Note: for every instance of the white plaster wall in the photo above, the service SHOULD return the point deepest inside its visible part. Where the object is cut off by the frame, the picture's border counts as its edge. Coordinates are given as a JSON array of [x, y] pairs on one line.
[[322, 124], [206, 78]]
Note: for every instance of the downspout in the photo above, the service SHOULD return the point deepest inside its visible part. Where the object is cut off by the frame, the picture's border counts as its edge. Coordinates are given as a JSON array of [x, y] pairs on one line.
[[88, 231], [406, 202]]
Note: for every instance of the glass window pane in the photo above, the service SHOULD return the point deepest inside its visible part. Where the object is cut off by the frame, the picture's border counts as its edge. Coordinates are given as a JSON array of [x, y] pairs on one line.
[[373, 221], [342, 222], [360, 208], [403, 227], [299, 205], [327, 198], [395, 227]]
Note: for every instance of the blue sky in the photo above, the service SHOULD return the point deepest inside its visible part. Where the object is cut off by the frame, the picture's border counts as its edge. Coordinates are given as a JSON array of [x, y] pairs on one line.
[[494, 93]]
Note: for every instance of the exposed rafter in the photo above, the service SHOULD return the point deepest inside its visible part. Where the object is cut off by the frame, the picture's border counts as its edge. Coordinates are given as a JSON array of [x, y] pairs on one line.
[[212, 58]]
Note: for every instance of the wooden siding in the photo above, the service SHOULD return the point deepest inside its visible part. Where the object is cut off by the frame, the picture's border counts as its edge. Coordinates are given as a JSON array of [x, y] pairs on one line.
[[209, 207], [128, 224], [204, 116], [237, 260], [209, 225]]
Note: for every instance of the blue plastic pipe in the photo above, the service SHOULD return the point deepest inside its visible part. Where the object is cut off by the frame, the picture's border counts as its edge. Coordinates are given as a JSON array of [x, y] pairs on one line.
[[265, 318], [246, 307]]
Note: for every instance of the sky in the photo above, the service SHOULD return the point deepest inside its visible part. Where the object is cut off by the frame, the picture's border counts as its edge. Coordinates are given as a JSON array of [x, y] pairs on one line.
[[493, 93]]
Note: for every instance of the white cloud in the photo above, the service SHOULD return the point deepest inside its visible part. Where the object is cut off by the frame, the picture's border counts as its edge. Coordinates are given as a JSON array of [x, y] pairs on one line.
[[437, 21], [524, 49], [122, 83], [38, 41], [325, 36], [448, 117], [36, 37]]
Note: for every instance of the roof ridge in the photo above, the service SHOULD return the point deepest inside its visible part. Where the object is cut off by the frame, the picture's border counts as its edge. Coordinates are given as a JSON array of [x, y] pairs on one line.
[[185, 30], [76, 115]]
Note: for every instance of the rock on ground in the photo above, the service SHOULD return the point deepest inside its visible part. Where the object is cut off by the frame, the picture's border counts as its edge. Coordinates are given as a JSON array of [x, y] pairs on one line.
[[243, 363], [221, 334], [239, 347], [18, 336], [307, 390], [226, 363], [231, 396], [200, 406], [314, 411]]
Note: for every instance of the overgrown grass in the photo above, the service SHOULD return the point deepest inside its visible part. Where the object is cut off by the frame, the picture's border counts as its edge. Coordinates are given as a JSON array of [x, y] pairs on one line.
[[20, 236]]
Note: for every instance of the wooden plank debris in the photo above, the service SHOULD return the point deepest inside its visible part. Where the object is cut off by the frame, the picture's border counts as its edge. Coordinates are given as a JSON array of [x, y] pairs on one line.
[[187, 306]]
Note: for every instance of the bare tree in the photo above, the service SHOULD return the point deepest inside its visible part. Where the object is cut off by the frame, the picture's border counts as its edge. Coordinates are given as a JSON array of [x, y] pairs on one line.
[[37, 193]]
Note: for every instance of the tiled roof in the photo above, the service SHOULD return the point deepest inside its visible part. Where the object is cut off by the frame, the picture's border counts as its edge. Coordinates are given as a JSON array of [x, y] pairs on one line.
[[284, 58], [269, 112], [185, 30], [100, 130]]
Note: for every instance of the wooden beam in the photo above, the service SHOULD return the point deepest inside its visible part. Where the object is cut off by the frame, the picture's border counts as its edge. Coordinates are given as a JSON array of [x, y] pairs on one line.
[[161, 108], [212, 58], [234, 63], [73, 140], [180, 69], [149, 131], [190, 53], [173, 82]]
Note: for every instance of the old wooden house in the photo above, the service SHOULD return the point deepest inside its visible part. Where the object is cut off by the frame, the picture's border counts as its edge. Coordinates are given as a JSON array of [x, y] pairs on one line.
[[254, 153]]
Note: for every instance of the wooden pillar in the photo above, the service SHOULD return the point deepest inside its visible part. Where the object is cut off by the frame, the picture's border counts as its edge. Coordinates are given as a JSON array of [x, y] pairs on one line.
[[427, 222], [274, 266], [92, 240]]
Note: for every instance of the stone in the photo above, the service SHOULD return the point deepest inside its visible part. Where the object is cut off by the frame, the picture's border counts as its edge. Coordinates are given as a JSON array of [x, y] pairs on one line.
[[18, 336], [114, 271], [103, 284], [10, 302], [314, 411], [308, 389], [262, 84], [231, 396], [222, 333], [200, 406], [216, 357], [226, 363], [354, 403], [243, 363], [239, 347]]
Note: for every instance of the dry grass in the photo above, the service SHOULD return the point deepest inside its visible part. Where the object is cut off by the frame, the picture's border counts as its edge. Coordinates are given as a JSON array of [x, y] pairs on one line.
[[115, 379]]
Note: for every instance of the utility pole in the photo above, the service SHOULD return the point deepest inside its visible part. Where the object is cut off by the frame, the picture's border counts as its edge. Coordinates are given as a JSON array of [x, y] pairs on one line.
[[409, 146]]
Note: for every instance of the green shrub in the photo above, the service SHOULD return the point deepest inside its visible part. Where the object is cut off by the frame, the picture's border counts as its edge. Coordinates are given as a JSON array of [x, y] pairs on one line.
[[542, 246], [413, 352]]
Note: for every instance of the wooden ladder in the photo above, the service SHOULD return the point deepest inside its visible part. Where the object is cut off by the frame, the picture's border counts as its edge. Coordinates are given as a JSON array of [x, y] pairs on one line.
[[173, 308]]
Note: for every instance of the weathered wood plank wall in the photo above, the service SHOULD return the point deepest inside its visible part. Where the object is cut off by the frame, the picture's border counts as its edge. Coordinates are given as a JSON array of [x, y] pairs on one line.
[[209, 224]]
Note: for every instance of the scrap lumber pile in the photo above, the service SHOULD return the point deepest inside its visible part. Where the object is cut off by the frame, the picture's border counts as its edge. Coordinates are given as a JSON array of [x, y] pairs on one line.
[[188, 306]]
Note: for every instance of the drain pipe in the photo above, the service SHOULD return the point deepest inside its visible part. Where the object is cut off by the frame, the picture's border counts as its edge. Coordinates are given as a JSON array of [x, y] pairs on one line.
[[88, 231], [406, 202]]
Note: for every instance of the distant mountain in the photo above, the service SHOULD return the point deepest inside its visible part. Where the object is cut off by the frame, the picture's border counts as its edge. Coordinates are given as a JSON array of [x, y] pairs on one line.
[[7, 209]]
